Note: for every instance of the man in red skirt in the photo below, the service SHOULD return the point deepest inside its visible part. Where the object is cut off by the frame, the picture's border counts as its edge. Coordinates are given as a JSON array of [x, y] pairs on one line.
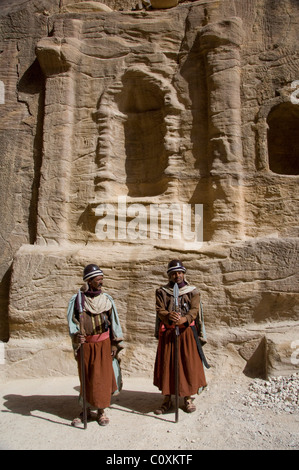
[[191, 371], [101, 338]]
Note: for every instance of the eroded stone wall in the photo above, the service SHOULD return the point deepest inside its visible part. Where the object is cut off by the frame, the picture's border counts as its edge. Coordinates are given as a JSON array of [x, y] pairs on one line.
[[196, 105]]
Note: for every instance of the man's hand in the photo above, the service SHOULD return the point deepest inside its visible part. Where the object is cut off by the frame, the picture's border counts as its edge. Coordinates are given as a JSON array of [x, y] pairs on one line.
[[80, 339], [176, 318]]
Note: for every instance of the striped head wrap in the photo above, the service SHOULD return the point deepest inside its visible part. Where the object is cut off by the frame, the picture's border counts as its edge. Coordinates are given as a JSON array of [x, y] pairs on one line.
[[175, 265], [91, 271]]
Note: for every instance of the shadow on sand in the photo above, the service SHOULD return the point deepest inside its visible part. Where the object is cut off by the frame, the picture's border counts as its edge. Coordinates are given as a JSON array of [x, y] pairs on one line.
[[65, 407]]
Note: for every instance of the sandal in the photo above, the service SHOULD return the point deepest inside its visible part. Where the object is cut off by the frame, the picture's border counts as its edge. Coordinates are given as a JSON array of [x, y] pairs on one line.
[[102, 419], [189, 405], [166, 405], [79, 420]]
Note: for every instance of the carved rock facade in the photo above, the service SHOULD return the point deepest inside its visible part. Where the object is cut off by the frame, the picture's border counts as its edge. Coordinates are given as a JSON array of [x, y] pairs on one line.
[[124, 112]]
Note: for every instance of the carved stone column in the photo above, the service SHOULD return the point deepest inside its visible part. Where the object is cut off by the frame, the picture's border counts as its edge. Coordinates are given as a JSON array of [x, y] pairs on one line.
[[220, 45], [56, 57]]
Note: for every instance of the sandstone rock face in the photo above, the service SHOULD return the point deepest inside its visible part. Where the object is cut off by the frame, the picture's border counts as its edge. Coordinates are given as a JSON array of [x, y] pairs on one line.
[[164, 3], [113, 122]]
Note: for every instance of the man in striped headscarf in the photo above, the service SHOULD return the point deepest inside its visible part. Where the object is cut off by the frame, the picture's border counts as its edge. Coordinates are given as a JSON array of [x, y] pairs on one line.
[[191, 331], [102, 338]]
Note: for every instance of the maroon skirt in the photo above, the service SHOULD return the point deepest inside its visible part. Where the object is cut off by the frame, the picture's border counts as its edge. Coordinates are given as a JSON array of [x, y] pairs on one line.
[[99, 376], [191, 371]]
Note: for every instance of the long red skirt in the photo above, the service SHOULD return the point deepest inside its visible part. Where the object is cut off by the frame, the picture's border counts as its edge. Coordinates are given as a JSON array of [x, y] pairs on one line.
[[191, 371], [99, 376]]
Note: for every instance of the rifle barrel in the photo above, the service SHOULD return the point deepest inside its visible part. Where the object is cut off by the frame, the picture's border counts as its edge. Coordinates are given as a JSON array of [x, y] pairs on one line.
[[176, 352], [83, 383]]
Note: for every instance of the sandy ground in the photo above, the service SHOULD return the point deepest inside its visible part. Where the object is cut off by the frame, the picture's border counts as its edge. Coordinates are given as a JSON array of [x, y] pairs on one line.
[[36, 415]]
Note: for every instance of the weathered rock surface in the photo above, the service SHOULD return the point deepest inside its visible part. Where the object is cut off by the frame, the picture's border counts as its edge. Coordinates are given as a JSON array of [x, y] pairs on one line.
[[128, 112]]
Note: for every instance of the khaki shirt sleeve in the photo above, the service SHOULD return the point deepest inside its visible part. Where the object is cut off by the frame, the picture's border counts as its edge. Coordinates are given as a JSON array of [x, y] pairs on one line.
[[194, 306], [161, 310]]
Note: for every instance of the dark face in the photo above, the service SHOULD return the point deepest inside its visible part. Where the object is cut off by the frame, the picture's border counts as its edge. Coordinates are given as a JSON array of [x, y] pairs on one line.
[[176, 277], [96, 283]]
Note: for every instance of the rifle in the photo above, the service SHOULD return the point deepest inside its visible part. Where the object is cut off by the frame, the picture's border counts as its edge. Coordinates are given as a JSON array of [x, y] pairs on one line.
[[199, 347], [176, 352], [197, 340], [82, 368]]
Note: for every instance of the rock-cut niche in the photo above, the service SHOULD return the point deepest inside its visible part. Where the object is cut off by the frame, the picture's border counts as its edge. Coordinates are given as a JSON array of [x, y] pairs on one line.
[[283, 142], [132, 132]]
